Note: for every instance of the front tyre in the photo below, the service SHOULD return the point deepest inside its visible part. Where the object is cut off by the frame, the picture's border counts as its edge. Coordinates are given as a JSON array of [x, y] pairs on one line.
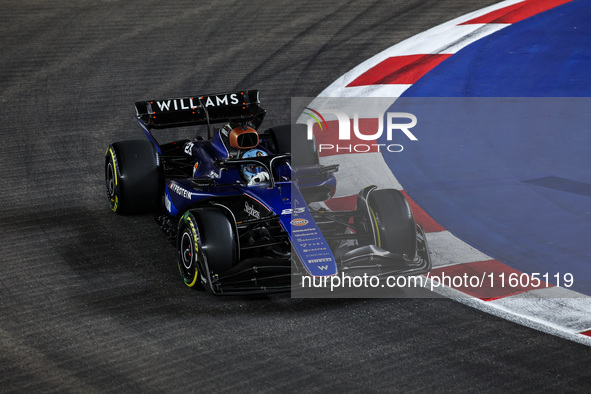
[[207, 245], [390, 222], [394, 224]]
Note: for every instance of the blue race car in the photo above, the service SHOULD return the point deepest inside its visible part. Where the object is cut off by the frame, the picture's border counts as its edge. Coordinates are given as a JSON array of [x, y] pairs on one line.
[[243, 212]]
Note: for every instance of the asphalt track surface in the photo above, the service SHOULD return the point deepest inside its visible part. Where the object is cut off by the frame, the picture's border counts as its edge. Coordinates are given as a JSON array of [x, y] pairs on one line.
[[93, 302]]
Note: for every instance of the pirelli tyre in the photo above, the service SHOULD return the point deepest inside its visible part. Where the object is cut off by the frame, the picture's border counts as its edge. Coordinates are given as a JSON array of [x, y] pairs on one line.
[[133, 177], [391, 222], [206, 245], [294, 140]]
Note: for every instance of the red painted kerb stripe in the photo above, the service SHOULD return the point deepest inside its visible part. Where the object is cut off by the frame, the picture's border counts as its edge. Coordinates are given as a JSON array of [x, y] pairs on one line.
[[517, 12], [399, 70]]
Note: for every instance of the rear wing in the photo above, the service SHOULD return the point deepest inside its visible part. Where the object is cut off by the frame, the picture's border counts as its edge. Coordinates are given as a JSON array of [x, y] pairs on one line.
[[238, 106]]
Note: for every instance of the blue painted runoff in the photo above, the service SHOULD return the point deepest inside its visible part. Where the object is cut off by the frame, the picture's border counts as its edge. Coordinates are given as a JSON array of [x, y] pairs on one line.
[[503, 157]]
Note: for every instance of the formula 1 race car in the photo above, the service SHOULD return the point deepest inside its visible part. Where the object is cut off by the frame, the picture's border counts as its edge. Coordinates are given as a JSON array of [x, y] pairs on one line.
[[243, 211]]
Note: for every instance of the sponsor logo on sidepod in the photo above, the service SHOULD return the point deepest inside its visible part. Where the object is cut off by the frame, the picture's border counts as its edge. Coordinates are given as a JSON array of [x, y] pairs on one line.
[[299, 222]]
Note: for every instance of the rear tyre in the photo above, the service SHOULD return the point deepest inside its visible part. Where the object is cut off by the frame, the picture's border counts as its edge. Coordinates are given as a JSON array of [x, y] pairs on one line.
[[392, 222], [133, 177], [206, 239], [285, 138]]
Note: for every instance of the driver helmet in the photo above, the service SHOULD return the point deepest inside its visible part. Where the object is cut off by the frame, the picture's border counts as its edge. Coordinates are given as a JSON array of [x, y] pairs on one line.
[[250, 170]]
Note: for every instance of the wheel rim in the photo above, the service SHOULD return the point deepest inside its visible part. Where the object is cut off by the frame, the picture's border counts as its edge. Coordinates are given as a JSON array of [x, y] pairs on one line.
[[110, 180], [187, 251]]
